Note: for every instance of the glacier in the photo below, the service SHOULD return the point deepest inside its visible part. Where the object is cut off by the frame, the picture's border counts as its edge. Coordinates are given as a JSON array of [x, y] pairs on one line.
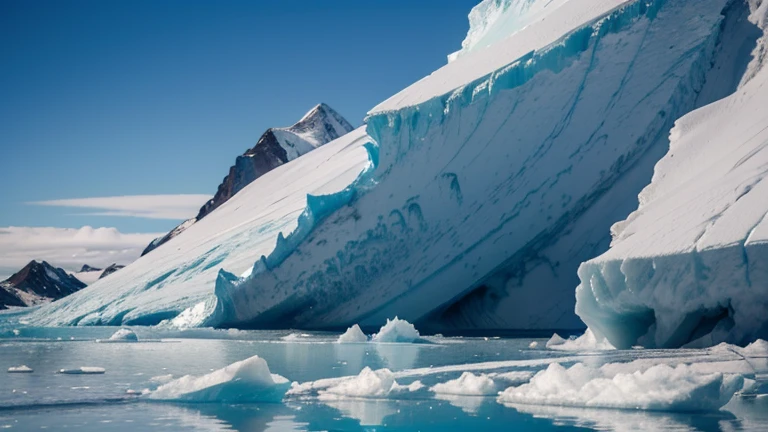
[[469, 199], [498, 174], [689, 265]]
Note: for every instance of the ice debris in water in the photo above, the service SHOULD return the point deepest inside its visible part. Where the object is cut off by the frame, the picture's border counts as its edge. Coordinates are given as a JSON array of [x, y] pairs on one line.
[[124, 335], [249, 380], [397, 330], [533, 345], [468, 384], [20, 369], [85, 370], [375, 384], [660, 387], [353, 335], [295, 336], [587, 341]]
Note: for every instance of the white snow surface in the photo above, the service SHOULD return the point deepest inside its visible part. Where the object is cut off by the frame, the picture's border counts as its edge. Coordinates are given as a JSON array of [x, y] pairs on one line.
[[660, 387], [353, 335], [245, 381], [690, 264], [396, 330]]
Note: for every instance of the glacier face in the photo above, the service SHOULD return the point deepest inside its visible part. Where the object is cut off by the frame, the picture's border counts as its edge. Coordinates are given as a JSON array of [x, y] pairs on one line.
[[484, 185], [181, 274], [692, 261], [488, 168]]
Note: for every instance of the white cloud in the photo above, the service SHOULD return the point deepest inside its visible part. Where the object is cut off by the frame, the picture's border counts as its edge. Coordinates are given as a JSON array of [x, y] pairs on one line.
[[69, 248], [176, 207]]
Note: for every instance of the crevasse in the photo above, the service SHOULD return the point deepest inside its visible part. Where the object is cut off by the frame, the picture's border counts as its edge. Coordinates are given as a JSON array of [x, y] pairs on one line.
[[479, 203]]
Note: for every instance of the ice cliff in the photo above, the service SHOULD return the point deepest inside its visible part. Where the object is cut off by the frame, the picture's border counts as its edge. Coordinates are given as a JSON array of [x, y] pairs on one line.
[[692, 261], [499, 173], [480, 189]]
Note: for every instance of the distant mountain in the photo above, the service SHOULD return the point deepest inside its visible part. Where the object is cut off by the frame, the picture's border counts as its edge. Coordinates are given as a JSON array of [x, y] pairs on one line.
[[87, 268], [276, 146], [111, 269], [36, 283]]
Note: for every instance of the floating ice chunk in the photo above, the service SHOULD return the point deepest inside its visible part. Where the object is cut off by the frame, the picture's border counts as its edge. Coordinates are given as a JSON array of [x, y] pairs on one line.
[[124, 335], [660, 387], [555, 340], [353, 335], [248, 380], [85, 370], [375, 384], [587, 341], [468, 384], [533, 345], [397, 330], [20, 369], [16, 332], [512, 378]]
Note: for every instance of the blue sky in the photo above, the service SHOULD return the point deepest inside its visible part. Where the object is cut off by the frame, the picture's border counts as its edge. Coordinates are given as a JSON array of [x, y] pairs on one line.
[[112, 98]]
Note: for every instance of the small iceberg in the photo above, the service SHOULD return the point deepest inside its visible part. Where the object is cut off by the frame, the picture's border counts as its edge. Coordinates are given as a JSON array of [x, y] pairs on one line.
[[353, 335], [468, 384], [120, 336], [85, 370], [124, 335], [20, 369], [621, 386], [246, 381], [586, 342], [370, 384], [397, 330]]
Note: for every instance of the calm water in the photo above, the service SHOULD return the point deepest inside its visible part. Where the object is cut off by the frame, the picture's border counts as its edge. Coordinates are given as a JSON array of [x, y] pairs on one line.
[[45, 400]]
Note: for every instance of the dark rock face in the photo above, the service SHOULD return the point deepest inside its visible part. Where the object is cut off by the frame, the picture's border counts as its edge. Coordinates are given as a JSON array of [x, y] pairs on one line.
[[111, 269], [37, 282], [87, 268], [275, 147]]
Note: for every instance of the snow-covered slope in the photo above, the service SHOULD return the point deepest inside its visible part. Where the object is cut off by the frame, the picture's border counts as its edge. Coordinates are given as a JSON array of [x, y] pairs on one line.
[[499, 173], [182, 273], [692, 261], [275, 147]]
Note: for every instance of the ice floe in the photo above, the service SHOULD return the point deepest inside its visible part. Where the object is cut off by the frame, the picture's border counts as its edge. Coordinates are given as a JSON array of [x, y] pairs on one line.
[[249, 380], [375, 384], [20, 369], [661, 387]]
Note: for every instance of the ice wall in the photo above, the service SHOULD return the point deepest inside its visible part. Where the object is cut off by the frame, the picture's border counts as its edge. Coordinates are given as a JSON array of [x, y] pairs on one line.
[[691, 262], [480, 176], [493, 20]]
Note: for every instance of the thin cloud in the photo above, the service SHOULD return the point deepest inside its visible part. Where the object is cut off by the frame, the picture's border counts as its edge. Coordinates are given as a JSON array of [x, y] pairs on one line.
[[68, 248], [176, 207]]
